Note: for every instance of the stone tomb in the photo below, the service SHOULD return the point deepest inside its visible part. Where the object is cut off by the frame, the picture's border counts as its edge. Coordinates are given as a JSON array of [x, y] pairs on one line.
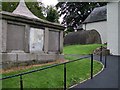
[[27, 40]]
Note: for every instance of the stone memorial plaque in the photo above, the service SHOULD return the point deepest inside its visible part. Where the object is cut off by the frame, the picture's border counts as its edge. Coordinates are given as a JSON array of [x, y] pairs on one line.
[[54, 40], [36, 39], [15, 37]]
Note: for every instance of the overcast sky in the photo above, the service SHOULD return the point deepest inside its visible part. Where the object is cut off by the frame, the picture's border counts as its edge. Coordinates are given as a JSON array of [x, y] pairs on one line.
[[53, 3], [49, 2]]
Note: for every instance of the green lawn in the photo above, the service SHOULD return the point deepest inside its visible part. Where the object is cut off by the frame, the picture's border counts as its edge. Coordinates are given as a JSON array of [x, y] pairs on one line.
[[80, 49], [53, 78]]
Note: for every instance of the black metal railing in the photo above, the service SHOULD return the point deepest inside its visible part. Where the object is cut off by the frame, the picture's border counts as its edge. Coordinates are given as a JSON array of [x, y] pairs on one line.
[[91, 66], [54, 65]]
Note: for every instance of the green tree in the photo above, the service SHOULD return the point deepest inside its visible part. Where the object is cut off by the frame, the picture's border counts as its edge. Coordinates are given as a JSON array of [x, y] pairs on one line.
[[76, 12], [52, 14], [9, 6], [36, 8]]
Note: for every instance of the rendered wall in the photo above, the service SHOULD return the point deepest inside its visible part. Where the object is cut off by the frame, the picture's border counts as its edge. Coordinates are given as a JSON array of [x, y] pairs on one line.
[[0, 51], [101, 27], [113, 26], [119, 30], [0, 35]]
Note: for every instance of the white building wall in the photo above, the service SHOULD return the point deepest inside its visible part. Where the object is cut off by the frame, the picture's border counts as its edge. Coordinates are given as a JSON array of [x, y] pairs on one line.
[[0, 36], [101, 27], [119, 29], [113, 26]]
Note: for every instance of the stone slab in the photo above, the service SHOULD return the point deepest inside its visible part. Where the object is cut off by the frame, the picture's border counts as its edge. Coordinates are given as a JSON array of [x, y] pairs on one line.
[[46, 57], [8, 57], [26, 56]]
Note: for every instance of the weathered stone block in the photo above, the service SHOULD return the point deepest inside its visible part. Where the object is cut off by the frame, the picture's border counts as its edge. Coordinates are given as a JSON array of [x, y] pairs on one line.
[[8, 57], [8, 64], [46, 57], [105, 51], [41, 57], [26, 57], [60, 56], [51, 57]]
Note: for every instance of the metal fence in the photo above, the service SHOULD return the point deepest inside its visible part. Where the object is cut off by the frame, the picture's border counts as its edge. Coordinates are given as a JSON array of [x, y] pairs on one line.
[[91, 56]]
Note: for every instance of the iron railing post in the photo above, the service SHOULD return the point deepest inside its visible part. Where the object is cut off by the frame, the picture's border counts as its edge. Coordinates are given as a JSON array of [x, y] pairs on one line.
[[21, 83], [91, 66], [101, 53], [105, 60], [64, 76]]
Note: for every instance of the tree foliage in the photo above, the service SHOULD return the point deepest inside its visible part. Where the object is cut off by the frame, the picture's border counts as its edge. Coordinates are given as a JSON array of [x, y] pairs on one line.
[[76, 12], [37, 8], [9, 6], [52, 14], [34, 7]]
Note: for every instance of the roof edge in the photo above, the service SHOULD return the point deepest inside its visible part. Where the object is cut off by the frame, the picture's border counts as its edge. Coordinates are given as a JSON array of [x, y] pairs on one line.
[[94, 21], [11, 16]]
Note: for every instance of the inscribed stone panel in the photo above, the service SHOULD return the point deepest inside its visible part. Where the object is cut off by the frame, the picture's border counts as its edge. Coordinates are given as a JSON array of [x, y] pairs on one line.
[[54, 41], [15, 37], [36, 39]]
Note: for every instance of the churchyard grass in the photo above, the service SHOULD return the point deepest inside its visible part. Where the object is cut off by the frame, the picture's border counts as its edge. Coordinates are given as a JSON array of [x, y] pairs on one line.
[[53, 77], [81, 49]]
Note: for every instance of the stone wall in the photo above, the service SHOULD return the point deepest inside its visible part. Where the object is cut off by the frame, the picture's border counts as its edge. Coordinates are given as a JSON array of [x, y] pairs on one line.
[[24, 59], [82, 37]]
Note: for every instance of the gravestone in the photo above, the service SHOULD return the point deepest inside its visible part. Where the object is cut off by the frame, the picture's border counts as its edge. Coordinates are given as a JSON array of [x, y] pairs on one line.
[[27, 39]]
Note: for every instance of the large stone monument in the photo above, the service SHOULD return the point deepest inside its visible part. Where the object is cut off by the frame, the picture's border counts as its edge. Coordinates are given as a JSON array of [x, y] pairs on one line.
[[26, 39]]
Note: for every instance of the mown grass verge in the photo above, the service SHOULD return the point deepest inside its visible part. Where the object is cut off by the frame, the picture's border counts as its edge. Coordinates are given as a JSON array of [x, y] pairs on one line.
[[53, 78]]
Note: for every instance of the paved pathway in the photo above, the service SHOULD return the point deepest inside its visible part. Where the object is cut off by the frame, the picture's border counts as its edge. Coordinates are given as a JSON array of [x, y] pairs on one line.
[[108, 78]]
